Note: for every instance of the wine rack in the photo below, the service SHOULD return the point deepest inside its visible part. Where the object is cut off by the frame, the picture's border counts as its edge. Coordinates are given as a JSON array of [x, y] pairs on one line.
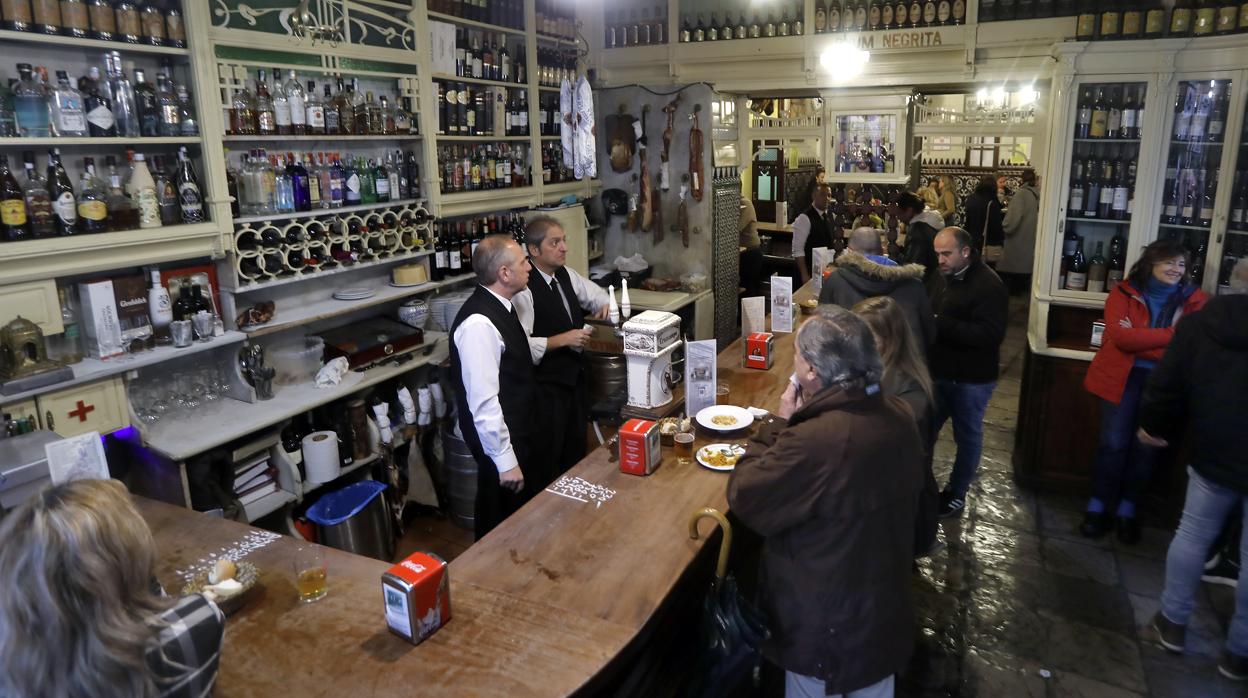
[[303, 247]]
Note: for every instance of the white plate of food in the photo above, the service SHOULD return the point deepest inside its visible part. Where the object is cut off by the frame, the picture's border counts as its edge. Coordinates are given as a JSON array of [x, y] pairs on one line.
[[725, 418], [721, 457]]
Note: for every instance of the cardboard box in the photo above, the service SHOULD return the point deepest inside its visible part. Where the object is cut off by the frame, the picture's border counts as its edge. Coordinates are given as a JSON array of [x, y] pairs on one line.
[[416, 594], [100, 323], [130, 293], [639, 447], [759, 350]]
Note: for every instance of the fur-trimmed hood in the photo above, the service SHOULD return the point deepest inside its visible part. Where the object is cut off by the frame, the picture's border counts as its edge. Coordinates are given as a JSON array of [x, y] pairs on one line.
[[872, 278]]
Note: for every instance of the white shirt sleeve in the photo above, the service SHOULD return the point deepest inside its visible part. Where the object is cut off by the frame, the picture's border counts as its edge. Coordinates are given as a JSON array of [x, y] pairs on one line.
[[523, 303], [590, 295], [480, 349], [801, 231]]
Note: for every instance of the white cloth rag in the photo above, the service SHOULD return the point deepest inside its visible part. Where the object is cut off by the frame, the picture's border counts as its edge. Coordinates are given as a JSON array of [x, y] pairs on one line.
[[585, 144]]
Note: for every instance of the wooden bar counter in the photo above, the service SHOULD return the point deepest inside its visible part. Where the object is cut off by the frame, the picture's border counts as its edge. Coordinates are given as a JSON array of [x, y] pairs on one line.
[[563, 597]]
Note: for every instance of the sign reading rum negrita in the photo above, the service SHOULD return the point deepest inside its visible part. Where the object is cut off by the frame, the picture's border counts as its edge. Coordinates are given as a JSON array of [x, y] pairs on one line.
[[944, 38]]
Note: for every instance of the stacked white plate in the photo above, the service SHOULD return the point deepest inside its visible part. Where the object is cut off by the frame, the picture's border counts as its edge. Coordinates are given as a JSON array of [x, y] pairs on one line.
[[354, 293], [437, 313]]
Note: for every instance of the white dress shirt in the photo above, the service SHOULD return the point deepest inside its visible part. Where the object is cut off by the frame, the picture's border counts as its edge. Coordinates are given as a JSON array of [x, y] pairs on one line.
[[589, 295], [801, 231], [480, 347]]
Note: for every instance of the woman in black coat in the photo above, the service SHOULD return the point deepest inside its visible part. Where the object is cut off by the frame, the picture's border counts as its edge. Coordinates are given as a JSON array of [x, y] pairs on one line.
[[983, 216]]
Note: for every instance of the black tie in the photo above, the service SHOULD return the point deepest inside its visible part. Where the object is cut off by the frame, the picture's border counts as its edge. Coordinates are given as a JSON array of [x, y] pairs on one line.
[[554, 286]]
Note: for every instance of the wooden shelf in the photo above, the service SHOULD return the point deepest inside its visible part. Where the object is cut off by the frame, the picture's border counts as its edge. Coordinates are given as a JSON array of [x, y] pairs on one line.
[[355, 466], [305, 139], [1201, 144], [93, 44], [179, 439], [465, 203], [83, 254], [313, 310], [269, 217], [268, 504], [473, 23], [481, 139], [1105, 221], [89, 370], [76, 141], [1201, 228], [547, 88], [287, 280], [480, 81]]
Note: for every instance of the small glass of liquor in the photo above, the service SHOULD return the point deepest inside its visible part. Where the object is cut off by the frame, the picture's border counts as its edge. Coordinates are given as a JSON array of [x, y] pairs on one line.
[[310, 573]]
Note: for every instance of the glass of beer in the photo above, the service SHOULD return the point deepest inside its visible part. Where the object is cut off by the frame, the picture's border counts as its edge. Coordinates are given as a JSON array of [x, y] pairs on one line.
[[721, 393], [684, 447], [310, 573]]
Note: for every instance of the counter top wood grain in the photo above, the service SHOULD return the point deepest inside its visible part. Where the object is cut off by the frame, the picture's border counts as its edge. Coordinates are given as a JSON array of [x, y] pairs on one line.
[[540, 606]]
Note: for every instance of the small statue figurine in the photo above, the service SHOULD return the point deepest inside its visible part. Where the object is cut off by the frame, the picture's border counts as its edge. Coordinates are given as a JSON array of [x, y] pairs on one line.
[[23, 351]]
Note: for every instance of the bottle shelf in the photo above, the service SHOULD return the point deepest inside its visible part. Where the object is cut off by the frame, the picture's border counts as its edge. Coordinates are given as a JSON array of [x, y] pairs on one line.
[[313, 138], [475, 24], [545, 88], [77, 141], [1202, 228], [560, 41], [270, 217], [552, 138], [1198, 144], [82, 254], [1105, 221], [1107, 140], [481, 139], [287, 280], [122, 46], [480, 81], [90, 369]]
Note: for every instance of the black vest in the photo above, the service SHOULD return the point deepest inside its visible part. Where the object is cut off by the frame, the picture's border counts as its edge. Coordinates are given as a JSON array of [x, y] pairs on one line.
[[517, 388], [820, 234], [562, 366]]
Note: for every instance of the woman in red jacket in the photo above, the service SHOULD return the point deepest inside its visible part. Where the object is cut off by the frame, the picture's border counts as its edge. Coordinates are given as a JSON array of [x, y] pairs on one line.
[[1140, 315]]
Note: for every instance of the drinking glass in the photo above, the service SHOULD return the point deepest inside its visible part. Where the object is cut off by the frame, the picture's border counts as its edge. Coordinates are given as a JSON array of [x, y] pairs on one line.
[[722, 393], [310, 573], [684, 447]]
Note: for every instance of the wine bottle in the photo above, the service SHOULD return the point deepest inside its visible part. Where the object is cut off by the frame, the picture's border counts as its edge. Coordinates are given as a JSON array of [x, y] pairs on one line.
[[1097, 270], [1117, 261], [1083, 119], [1077, 273], [13, 222]]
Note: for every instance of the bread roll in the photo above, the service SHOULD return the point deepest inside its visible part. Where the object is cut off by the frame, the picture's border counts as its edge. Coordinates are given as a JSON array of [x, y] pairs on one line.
[[221, 571]]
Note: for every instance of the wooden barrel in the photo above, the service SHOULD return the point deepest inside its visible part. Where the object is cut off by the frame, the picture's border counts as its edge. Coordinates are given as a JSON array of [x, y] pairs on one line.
[[608, 374], [460, 470]]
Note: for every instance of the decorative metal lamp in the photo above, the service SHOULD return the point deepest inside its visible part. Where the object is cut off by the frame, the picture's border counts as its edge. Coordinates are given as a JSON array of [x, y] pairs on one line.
[[23, 351]]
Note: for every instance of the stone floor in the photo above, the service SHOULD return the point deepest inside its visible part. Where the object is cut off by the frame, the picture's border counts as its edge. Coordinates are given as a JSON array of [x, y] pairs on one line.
[[1018, 604]]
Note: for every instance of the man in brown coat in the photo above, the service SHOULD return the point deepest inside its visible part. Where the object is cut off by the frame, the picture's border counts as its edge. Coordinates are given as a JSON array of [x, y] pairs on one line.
[[833, 488]]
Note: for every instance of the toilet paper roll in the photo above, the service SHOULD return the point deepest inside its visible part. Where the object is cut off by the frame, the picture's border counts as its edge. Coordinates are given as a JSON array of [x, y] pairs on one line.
[[320, 456]]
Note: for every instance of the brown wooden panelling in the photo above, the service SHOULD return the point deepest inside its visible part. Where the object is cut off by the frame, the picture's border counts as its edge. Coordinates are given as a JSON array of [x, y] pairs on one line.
[[1071, 328]]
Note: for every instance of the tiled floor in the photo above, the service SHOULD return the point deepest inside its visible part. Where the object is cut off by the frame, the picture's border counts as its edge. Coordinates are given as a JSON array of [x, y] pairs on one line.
[[1018, 604]]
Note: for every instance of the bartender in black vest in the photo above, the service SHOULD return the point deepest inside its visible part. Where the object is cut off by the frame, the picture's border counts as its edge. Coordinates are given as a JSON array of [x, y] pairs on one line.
[[494, 381], [553, 310], [812, 229]]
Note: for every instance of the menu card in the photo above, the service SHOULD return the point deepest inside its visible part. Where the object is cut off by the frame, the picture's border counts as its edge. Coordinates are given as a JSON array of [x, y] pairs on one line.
[[753, 315], [700, 382], [781, 304], [77, 458]]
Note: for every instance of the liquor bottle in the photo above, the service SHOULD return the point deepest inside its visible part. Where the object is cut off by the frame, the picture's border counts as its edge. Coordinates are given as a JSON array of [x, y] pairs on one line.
[[1189, 204], [1204, 18], [1077, 270], [67, 116], [699, 31], [1083, 120], [1070, 243], [742, 30], [66, 347], [1120, 198], [1117, 261], [296, 100], [1184, 108], [1110, 23], [129, 21], [14, 224], [1097, 270], [38, 201], [17, 16], [144, 187], [159, 308], [1239, 206], [315, 200], [337, 184], [1181, 18], [1228, 17], [166, 193], [1105, 205], [412, 168], [284, 197], [1155, 20], [47, 17], [402, 117], [190, 196], [755, 29], [394, 173], [152, 21], [184, 306], [359, 108], [821, 17], [1129, 120], [170, 109], [314, 111], [1100, 115], [1132, 20], [1199, 127], [1086, 23], [351, 184], [121, 212], [175, 26], [1075, 205], [266, 119], [243, 112], [1113, 118], [1216, 125], [301, 195], [125, 106], [147, 107], [1092, 197], [381, 181], [1197, 268], [330, 110], [30, 102], [1205, 217]]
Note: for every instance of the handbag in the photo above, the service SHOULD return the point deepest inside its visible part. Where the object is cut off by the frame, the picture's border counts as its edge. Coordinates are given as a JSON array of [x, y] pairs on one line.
[[992, 254]]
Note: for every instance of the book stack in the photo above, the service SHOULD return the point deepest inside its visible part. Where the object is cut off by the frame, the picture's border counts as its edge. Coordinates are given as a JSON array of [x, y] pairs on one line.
[[254, 478]]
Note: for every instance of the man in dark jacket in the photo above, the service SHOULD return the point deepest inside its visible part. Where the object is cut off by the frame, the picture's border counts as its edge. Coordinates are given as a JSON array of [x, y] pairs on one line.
[[857, 276], [921, 228], [1203, 378], [971, 306], [833, 488]]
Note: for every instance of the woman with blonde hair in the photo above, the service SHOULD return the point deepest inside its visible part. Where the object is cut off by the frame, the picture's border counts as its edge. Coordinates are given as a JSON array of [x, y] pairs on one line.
[[79, 615], [906, 376], [947, 199]]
